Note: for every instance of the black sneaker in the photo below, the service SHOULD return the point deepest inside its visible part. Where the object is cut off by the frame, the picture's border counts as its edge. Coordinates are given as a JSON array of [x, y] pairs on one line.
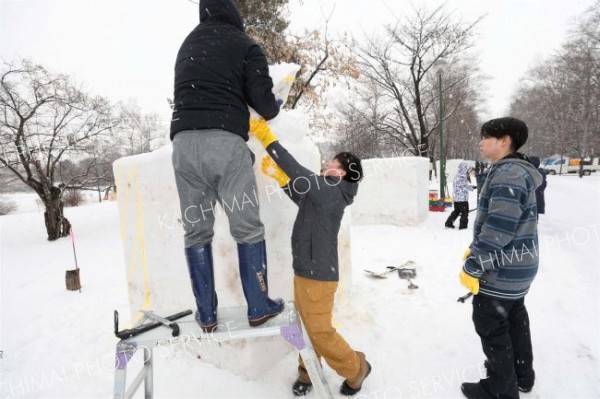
[[449, 226], [474, 390], [301, 388]]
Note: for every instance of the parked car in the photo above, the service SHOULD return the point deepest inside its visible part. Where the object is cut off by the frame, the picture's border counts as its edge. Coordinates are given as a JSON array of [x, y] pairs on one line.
[[564, 165]]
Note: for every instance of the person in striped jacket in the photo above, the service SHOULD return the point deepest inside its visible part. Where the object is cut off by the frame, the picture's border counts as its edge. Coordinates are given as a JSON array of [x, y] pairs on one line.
[[502, 261]]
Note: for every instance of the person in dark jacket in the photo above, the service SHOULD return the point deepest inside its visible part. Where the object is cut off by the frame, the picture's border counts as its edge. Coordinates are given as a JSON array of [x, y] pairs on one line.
[[539, 193], [480, 175], [219, 72], [502, 262], [321, 200]]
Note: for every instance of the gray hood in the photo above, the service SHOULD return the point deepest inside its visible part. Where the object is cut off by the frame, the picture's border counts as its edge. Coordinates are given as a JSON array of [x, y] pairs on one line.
[[349, 191], [463, 169], [533, 172]]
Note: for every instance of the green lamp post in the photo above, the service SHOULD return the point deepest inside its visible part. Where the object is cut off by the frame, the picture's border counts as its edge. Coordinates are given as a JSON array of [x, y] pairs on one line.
[[440, 64]]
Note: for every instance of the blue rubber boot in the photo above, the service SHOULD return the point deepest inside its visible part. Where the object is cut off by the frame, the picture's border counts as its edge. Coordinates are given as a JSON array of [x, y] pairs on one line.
[[253, 272], [200, 265]]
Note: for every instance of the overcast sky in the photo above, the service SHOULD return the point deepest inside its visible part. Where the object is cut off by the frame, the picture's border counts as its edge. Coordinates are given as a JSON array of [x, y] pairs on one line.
[[126, 49]]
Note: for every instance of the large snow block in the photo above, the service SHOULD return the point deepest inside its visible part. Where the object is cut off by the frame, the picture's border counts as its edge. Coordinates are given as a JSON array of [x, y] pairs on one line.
[[393, 191], [153, 243]]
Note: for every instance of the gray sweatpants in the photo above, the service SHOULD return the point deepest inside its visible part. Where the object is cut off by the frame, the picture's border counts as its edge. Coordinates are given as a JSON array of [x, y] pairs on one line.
[[215, 166]]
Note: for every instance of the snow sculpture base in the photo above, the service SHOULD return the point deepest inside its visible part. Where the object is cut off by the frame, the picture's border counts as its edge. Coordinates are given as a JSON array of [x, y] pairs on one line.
[[393, 191]]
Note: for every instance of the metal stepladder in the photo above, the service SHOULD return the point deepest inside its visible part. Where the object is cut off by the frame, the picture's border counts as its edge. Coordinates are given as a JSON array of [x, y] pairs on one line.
[[230, 319]]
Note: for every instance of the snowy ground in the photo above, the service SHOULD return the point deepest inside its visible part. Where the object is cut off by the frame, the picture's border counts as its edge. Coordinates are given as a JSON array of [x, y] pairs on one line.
[[59, 344]]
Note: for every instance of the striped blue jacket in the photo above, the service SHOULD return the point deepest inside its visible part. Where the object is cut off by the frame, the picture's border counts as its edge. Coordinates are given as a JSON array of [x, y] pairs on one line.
[[504, 252]]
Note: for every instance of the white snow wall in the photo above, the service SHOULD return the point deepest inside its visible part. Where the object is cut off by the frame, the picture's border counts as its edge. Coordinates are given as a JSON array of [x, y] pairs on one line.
[[152, 236], [393, 191]]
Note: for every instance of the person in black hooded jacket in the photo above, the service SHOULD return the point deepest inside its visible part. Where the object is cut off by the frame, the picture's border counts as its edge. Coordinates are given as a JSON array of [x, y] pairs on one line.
[[219, 72], [539, 192]]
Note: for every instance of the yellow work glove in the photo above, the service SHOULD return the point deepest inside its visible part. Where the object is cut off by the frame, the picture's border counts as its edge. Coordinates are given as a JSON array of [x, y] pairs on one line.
[[466, 254], [470, 282], [262, 131], [271, 169]]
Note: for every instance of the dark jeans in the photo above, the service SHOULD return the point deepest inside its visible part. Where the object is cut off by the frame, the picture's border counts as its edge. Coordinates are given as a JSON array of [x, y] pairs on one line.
[[460, 208], [503, 327]]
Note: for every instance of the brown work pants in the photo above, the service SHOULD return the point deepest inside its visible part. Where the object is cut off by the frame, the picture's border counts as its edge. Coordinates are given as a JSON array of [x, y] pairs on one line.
[[314, 302]]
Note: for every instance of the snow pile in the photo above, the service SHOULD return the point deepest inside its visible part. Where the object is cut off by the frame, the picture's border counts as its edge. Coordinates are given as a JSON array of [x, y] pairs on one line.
[[393, 191]]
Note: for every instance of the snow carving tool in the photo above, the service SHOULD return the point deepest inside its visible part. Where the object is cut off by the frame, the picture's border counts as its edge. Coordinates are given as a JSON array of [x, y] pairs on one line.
[[403, 270], [168, 323], [160, 321], [463, 298], [408, 274], [468, 295], [390, 269], [72, 276]]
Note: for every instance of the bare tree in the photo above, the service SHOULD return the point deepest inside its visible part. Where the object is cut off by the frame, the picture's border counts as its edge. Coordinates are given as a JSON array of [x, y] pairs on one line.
[[323, 63], [560, 98], [461, 108], [266, 22], [358, 126], [323, 60], [136, 132], [403, 63], [45, 118]]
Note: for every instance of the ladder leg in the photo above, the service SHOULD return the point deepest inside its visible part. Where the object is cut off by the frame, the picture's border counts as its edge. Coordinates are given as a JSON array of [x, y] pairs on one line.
[[123, 354], [315, 372], [148, 381], [119, 388], [293, 334]]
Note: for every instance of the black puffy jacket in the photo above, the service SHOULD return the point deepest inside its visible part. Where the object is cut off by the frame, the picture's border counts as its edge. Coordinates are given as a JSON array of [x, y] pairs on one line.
[[219, 72]]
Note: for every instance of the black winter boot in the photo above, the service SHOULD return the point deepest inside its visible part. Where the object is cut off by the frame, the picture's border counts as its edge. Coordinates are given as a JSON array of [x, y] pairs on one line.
[[253, 272]]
